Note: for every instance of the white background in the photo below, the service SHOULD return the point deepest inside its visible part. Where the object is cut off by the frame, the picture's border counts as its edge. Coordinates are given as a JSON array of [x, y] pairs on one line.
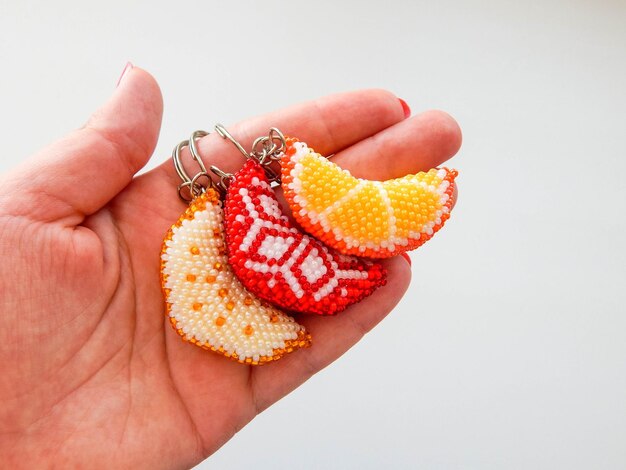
[[509, 350]]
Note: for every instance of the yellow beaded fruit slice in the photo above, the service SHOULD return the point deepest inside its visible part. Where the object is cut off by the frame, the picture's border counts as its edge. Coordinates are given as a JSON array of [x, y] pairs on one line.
[[377, 219], [206, 303]]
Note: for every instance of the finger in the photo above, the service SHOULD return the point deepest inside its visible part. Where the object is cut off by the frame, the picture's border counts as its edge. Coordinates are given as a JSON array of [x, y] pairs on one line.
[[417, 144], [79, 174], [332, 337], [420, 143], [328, 124], [409, 146]]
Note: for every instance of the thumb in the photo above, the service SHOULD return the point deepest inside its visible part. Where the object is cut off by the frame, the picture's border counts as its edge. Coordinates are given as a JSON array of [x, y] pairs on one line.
[[79, 174]]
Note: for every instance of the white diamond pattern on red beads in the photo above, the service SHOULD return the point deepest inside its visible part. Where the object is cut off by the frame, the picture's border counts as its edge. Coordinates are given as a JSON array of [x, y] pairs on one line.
[[282, 265]]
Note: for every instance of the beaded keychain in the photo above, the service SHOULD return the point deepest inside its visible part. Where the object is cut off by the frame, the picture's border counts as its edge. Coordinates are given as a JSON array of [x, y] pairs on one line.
[[205, 302], [377, 219], [271, 257]]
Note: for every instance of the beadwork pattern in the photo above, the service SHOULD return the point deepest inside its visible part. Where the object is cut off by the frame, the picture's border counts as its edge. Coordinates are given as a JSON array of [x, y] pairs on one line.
[[281, 264], [362, 217], [206, 303]]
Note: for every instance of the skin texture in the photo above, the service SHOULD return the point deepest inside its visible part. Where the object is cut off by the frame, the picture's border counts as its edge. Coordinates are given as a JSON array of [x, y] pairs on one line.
[[92, 373]]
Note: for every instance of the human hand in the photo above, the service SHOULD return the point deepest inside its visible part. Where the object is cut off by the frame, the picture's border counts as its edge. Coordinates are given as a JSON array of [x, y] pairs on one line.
[[93, 375]]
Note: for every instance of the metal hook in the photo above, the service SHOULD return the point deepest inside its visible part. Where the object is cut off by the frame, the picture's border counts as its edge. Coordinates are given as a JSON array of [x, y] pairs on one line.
[[221, 130], [225, 178]]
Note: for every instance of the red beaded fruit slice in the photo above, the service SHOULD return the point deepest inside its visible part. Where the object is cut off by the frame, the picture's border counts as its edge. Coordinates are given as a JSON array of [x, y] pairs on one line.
[[282, 265]]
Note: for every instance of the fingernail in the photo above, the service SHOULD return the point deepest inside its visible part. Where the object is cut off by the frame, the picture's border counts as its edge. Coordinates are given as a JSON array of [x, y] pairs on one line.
[[405, 108], [127, 68], [406, 257]]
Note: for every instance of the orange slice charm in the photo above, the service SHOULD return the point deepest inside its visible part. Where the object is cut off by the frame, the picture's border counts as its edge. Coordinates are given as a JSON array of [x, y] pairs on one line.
[[376, 219], [206, 303]]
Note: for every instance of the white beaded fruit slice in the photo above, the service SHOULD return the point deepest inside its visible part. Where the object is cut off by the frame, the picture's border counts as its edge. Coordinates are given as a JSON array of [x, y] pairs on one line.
[[206, 303]]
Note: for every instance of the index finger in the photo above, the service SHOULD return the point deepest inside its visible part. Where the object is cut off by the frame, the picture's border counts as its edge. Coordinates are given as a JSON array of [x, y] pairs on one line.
[[328, 124]]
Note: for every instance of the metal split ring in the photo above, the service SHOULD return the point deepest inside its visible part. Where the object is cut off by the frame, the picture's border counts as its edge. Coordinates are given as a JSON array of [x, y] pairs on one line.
[[265, 150], [191, 184]]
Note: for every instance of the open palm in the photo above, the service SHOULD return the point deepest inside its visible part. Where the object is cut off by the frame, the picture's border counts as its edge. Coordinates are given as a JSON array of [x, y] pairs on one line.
[[92, 373]]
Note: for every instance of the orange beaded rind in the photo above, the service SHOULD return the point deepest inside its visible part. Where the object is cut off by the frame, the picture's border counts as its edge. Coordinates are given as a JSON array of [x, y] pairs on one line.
[[207, 305], [362, 217]]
